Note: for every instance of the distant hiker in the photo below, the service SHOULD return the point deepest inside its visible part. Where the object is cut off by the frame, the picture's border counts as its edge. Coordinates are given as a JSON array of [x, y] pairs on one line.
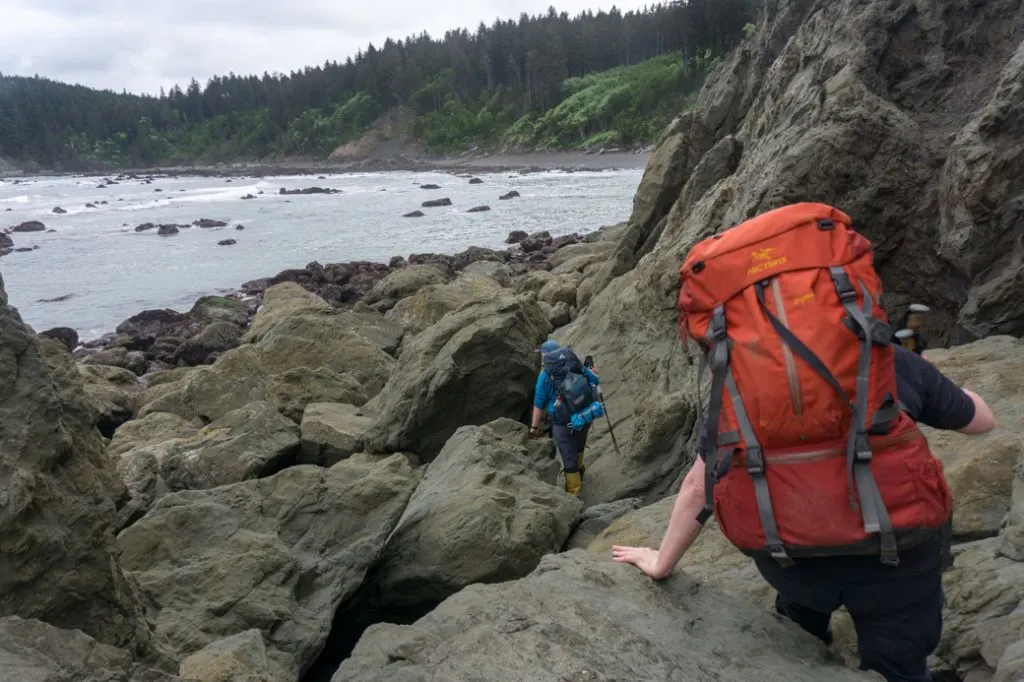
[[811, 424], [910, 335], [565, 393]]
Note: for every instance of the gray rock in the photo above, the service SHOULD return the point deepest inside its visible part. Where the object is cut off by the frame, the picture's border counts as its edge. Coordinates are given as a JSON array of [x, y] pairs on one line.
[[1011, 664], [33, 651], [251, 442], [302, 358], [404, 282], [596, 519], [980, 469], [580, 617], [58, 562], [427, 306], [473, 366], [150, 430], [239, 658], [331, 432], [278, 554], [482, 514]]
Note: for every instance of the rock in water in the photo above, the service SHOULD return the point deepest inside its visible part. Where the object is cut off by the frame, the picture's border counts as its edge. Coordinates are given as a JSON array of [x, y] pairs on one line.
[[581, 617], [475, 365], [484, 513], [58, 561], [277, 554]]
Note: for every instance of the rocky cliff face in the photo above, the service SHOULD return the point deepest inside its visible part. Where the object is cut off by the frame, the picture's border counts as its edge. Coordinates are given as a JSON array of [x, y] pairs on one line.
[[906, 115], [57, 503]]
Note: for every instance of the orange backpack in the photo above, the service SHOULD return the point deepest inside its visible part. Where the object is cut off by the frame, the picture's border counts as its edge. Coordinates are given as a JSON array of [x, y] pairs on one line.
[[811, 454]]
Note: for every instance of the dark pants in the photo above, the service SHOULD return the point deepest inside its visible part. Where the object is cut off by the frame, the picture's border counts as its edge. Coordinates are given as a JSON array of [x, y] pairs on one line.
[[897, 611], [570, 444]]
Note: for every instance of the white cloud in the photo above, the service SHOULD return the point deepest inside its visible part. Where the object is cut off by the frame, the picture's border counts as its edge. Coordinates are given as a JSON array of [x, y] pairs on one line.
[[143, 45]]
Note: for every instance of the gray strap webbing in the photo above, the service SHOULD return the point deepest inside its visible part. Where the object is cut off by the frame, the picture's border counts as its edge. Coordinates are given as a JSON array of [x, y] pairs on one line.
[[719, 361], [858, 450], [755, 467]]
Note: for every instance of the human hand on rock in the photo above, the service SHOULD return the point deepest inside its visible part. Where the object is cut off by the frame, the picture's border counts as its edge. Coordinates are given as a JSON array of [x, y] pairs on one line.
[[644, 558]]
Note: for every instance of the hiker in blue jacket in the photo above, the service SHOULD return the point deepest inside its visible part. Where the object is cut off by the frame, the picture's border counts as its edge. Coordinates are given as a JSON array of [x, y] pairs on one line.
[[565, 393]]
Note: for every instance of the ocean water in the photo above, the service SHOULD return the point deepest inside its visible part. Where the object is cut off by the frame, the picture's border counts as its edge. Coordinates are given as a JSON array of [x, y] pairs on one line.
[[105, 272]]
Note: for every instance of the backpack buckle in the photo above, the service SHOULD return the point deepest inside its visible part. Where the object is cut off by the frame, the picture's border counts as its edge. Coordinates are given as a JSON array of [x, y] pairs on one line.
[[716, 331], [862, 454], [755, 461]]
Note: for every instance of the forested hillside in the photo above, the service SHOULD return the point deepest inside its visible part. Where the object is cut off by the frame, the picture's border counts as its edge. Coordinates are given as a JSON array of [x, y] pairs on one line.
[[549, 81]]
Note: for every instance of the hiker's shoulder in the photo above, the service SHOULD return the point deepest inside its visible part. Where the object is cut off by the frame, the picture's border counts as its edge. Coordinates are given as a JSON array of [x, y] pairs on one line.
[[914, 370]]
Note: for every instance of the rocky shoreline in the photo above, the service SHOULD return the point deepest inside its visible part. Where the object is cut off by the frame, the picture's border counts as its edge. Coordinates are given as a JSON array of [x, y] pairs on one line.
[[155, 341], [531, 162], [328, 476]]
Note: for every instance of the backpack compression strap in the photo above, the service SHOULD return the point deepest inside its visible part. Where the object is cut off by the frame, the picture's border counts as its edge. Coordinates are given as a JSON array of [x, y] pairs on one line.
[[873, 512], [722, 380]]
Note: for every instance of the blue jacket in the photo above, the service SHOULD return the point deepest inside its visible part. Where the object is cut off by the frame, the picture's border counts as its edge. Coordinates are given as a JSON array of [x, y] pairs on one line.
[[544, 394]]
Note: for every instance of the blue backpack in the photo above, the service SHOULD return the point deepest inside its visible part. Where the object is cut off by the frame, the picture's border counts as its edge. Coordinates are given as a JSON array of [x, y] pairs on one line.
[[566, 374]]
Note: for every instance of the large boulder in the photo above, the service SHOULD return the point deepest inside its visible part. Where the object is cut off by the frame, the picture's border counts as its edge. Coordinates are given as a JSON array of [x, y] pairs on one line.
[[213, 325], [482, 514], [282, 301], [165, 453], [755, 140], [150, 430], [332, 432], [428, 305], [472, 367], [278, 554], [980, 469], [982, 615], [582, 617], [302, 359], [239, 658], [251, 442], [34, 651], [58, 562], [711, 559], [404, 282], [113, 393]]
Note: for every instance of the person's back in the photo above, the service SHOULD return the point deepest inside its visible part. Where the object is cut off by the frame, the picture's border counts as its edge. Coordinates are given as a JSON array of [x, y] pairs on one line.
[[809, 464], [897, 610], [564, 390]]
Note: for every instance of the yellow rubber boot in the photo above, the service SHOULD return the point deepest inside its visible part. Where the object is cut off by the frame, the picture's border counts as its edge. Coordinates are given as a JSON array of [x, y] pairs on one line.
[[572, 483]]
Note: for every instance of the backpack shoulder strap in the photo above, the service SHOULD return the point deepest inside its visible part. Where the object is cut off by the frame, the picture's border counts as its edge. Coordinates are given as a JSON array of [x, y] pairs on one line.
[[722, 380]]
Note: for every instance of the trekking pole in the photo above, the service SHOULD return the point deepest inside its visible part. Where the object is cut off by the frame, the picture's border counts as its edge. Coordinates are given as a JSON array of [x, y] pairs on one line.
[[588, 363]]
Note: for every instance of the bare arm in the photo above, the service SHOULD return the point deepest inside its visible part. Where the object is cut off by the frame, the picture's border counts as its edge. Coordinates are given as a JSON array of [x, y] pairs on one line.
[[682, 530], [984, 421], [538, 417]]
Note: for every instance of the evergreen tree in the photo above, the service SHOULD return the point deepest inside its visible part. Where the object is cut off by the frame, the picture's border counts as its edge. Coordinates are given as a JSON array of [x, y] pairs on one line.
[[511, 81]]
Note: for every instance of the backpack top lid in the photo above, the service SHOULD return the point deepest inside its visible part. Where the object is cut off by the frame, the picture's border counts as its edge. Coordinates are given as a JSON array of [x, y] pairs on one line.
[[793, 237], [548, 346], [560, 362]]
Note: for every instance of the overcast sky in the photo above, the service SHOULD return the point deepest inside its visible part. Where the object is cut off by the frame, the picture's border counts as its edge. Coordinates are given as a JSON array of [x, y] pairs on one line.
[[141, 45]]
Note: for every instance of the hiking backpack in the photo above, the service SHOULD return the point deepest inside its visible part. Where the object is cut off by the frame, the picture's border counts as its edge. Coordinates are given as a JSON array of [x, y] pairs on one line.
[[567, 376], [808, 451]]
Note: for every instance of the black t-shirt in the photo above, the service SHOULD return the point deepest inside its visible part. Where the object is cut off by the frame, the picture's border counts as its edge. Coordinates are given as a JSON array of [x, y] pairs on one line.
[[928, 396]]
